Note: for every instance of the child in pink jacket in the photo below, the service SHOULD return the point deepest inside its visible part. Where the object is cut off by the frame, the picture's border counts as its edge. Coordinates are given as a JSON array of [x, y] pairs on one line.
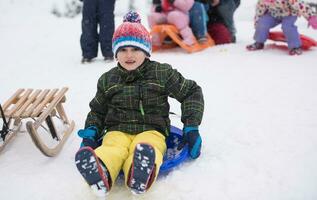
[[173, 12], [270, 13]]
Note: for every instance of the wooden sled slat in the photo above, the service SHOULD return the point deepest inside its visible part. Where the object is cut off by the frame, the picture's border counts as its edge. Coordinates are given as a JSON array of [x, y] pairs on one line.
[[38, 100], [47, 99], [53, 104], [170, 30], [12, 99], [19, 103], [26, 104]]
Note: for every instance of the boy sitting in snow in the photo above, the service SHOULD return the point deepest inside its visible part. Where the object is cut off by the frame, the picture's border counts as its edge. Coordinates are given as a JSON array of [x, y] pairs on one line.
[[270, 13], [130, 114]]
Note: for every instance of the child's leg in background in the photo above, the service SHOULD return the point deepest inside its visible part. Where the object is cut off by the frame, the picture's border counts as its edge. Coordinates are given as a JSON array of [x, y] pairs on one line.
[[262, 29], [181, 21], [156, 18], [114, 151], [198, 20], [290, 31], [153, 138], [89, 36], [106, 29], [226, 10]]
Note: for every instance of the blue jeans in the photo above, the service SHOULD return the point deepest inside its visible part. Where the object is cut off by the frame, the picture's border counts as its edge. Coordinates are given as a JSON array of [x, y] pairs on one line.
[[198, 20], [266, 22]]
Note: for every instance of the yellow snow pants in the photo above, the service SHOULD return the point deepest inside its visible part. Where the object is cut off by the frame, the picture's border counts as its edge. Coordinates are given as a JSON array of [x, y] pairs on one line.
[[117, 150]]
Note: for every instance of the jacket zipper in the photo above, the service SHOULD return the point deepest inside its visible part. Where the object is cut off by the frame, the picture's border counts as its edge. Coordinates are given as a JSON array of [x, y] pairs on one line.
[[140, 100]]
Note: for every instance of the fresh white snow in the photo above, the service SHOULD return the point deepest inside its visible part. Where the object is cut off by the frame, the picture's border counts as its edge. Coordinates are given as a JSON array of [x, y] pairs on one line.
[[259, 129]]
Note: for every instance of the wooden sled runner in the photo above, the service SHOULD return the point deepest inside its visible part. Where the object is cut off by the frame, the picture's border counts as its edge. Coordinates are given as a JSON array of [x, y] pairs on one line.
[[307, 42], [171, 31], [39, 105]]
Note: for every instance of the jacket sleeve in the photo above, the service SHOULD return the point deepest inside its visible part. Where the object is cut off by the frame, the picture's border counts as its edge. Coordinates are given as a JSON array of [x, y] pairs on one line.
[[300, 8], [98, 109], [189, 94], [183, 5]]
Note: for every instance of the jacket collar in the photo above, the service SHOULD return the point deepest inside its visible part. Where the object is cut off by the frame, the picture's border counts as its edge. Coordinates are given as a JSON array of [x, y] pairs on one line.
[[131, 76]]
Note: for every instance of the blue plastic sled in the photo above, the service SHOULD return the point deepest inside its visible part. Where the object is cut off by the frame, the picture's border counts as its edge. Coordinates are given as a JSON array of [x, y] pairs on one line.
[[174, 157]]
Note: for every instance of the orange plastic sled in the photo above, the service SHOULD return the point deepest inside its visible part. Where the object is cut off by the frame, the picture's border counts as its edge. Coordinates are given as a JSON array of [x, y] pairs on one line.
[[307, 42], [171, 31]]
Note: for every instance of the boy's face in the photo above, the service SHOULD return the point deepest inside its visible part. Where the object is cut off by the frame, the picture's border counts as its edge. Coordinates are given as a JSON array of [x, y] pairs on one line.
[[130, 58]]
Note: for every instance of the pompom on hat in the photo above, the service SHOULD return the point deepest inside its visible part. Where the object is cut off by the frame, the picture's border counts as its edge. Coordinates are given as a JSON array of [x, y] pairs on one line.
[[131, 33]]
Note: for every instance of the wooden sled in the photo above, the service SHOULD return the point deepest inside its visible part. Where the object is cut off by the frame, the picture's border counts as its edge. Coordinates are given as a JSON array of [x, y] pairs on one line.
[[171, 31], [39, 105], [307, 42]]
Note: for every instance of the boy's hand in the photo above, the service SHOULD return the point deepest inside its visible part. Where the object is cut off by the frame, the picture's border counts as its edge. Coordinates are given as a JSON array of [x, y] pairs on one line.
[[192, 138], [215, 2], [89, 137]]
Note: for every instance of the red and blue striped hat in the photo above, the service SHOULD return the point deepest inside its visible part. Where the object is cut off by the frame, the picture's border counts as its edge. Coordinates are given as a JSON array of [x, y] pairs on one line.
[[131, 33]]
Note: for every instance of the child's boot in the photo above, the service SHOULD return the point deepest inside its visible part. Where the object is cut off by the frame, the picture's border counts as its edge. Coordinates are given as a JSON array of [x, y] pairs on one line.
[[255, 46], [167, 40], [202, 40], [295, 51], [188, 36], [86, 60], [142, 172], [93, 171], [108, 59]]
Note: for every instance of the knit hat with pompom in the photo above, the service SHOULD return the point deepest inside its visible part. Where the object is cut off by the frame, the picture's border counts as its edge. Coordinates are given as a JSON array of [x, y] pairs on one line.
[[131, 33]]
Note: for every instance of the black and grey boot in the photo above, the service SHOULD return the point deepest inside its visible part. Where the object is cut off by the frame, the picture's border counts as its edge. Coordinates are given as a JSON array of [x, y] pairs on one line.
[[255, 46], [295, 51], [142, 172], [93, 171]]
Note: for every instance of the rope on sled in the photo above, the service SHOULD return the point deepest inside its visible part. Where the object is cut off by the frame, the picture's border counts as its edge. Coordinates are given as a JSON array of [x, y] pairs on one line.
[[5, 127]]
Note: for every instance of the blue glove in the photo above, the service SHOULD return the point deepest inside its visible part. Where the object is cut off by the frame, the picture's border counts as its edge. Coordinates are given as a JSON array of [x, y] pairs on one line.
[[89, 137], [192, 138]]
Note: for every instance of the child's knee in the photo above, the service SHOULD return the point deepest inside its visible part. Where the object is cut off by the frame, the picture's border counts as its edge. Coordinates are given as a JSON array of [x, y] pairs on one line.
[[156, 18], [177, 18]]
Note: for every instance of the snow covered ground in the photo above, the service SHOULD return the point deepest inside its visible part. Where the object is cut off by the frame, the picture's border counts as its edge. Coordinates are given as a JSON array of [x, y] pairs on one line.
[[259, 128]]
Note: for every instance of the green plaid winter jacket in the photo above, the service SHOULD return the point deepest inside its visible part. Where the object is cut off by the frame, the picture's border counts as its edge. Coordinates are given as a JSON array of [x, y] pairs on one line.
[[136, 101]]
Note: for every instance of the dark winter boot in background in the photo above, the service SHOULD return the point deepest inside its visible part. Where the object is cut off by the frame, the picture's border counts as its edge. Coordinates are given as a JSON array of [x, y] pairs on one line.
[[202, 40], [108, 59], [295, 51], [142, 171], [93, 171], [233, 39], [167, 40], [255, 46], [86, 60]]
